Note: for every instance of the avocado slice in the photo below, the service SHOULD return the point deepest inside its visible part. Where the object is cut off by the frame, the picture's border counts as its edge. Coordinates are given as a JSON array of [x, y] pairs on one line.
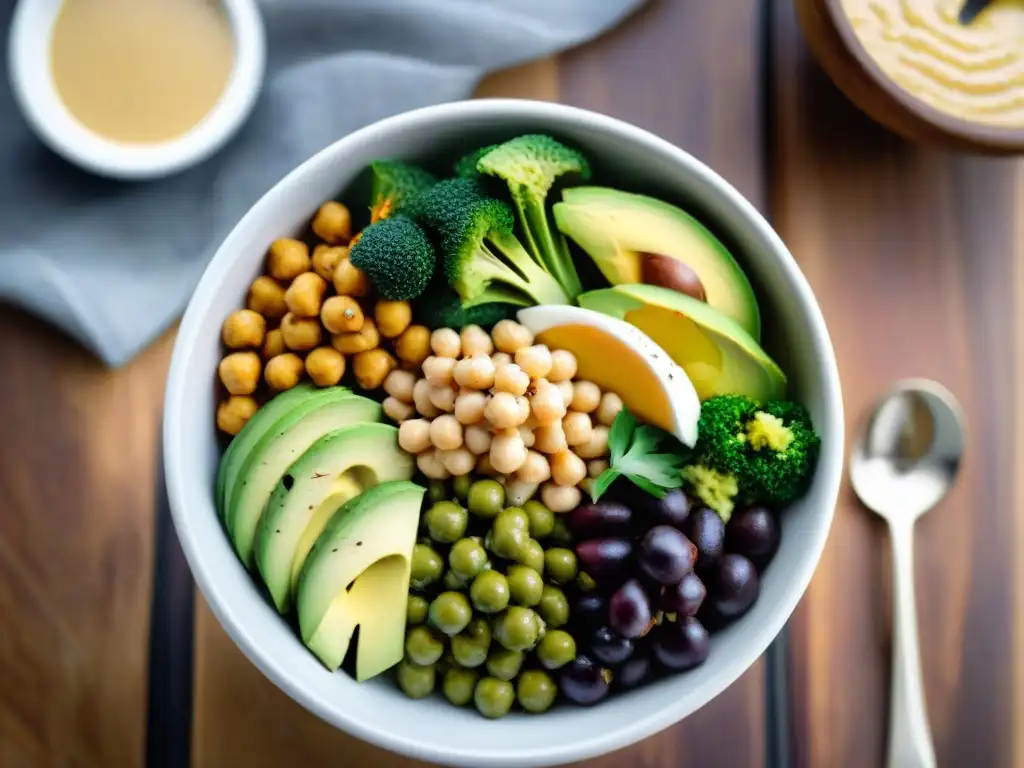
[[716, 353], [616, 229], [289, 437], [240, 445], [357, 574], [337, 467]]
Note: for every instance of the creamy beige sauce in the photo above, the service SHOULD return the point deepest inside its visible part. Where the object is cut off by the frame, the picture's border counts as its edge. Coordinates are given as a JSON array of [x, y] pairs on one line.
[[141, 71], [974, 72]]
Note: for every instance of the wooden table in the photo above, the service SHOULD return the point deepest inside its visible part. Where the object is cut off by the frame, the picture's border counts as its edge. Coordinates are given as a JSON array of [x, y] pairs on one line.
[[916, 258]]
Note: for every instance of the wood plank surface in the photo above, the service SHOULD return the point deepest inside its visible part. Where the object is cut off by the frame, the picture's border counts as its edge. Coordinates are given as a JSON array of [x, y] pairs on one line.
[[661, 70], [915, 256], [76, 512]]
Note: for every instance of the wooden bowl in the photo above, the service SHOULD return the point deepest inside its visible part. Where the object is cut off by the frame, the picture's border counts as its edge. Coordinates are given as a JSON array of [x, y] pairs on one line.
[[841, 53]]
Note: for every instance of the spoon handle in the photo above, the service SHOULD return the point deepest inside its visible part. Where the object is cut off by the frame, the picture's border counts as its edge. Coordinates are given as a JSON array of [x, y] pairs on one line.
[[910, 742]]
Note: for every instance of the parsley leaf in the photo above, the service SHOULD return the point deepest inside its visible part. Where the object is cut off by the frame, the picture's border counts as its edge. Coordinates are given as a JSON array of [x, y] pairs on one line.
[[650, 457]]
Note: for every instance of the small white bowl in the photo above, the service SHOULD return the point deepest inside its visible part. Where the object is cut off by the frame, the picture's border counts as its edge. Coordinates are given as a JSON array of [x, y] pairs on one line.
[[433, 729], [32, 83]]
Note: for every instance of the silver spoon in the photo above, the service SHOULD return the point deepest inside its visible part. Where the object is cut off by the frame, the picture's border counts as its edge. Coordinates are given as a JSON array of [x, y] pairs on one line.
[[903, 465]]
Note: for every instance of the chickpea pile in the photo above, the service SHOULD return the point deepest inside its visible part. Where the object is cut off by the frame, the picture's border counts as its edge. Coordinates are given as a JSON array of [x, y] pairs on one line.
[[503, 406], [312, 314]]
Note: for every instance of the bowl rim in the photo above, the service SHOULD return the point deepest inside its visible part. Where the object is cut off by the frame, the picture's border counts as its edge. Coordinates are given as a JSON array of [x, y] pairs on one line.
[[1005, 138], [594, 744], [31, 79]]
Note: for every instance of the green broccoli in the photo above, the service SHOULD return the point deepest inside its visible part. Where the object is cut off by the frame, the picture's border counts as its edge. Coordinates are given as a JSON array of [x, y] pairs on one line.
[[751, 452], [397, 257], [440, 307], [483, 260], [393, 184], [530, 165], [465, 166]]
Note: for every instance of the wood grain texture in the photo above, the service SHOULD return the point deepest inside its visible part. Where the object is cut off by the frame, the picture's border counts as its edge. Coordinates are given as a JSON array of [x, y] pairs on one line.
[[659, 70], [914, 256], [76, 501]]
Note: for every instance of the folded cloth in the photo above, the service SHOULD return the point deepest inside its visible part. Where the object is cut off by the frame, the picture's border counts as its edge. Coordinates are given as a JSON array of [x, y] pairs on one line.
[[113, 264]]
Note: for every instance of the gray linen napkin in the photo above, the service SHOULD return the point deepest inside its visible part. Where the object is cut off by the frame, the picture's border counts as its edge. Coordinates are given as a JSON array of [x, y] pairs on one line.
[[113, 264]]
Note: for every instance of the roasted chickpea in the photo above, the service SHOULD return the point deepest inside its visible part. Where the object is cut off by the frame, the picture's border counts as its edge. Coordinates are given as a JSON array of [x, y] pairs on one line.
[[546, 404], [349, 280], [325, 260], [550, 438], [535, 468], [609, 408], [372, 366], [240, 372], [439, 370], [586, 396], [306, 294], [325, 366], [445, 342], [341, 314], [392, 317], [563, 366], [509, 336], [567, 468], [477, 439], [266, 296], [333, 223], [273, 344], [469, 406], [511, 378], [358, 341], [597, 446], [526, 433], [534, 360], [475, 341], [234, 412], [421, 398], [396, 410], [501, 358], [288, 258], [414, 435], [413, 345], [430, 464], [577, 428], [243, 328], [595, 467], [284, 371], [560, 498], [446, 432], [300, 333], [442, 398], [458, 461], [565, 387], [507, 452], [399, 385], [504, 411], [476, 372]]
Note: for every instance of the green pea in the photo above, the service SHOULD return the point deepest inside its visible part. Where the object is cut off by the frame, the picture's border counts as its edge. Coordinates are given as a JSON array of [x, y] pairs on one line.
[[517, 628], [416, 682], [542, 519], [585, 582], [423, 646], [458, 685], [416, 610], [503, 663], [489, 592], [560, 534], [426, 568], [450, 612], [536, 691], [470, 646], [532, 555], [560, 565], [467, 558], [486, 498], [553, 607], [460, 487], [525, 585], [556, 649], [453, 582], [436, 491], [507, 541], [493, 698], [512, 517], [446, 522]]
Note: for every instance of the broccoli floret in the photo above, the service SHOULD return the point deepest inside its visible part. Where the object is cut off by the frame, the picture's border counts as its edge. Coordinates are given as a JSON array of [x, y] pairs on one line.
[[483, 260], [397, 257], [394, 183], [465, 166], [530, 165], [440, 307], [769, 451], [716, 489]]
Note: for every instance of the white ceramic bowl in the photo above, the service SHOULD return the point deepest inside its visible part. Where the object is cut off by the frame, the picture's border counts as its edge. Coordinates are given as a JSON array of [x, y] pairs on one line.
[[28, 52], [432, 729]]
